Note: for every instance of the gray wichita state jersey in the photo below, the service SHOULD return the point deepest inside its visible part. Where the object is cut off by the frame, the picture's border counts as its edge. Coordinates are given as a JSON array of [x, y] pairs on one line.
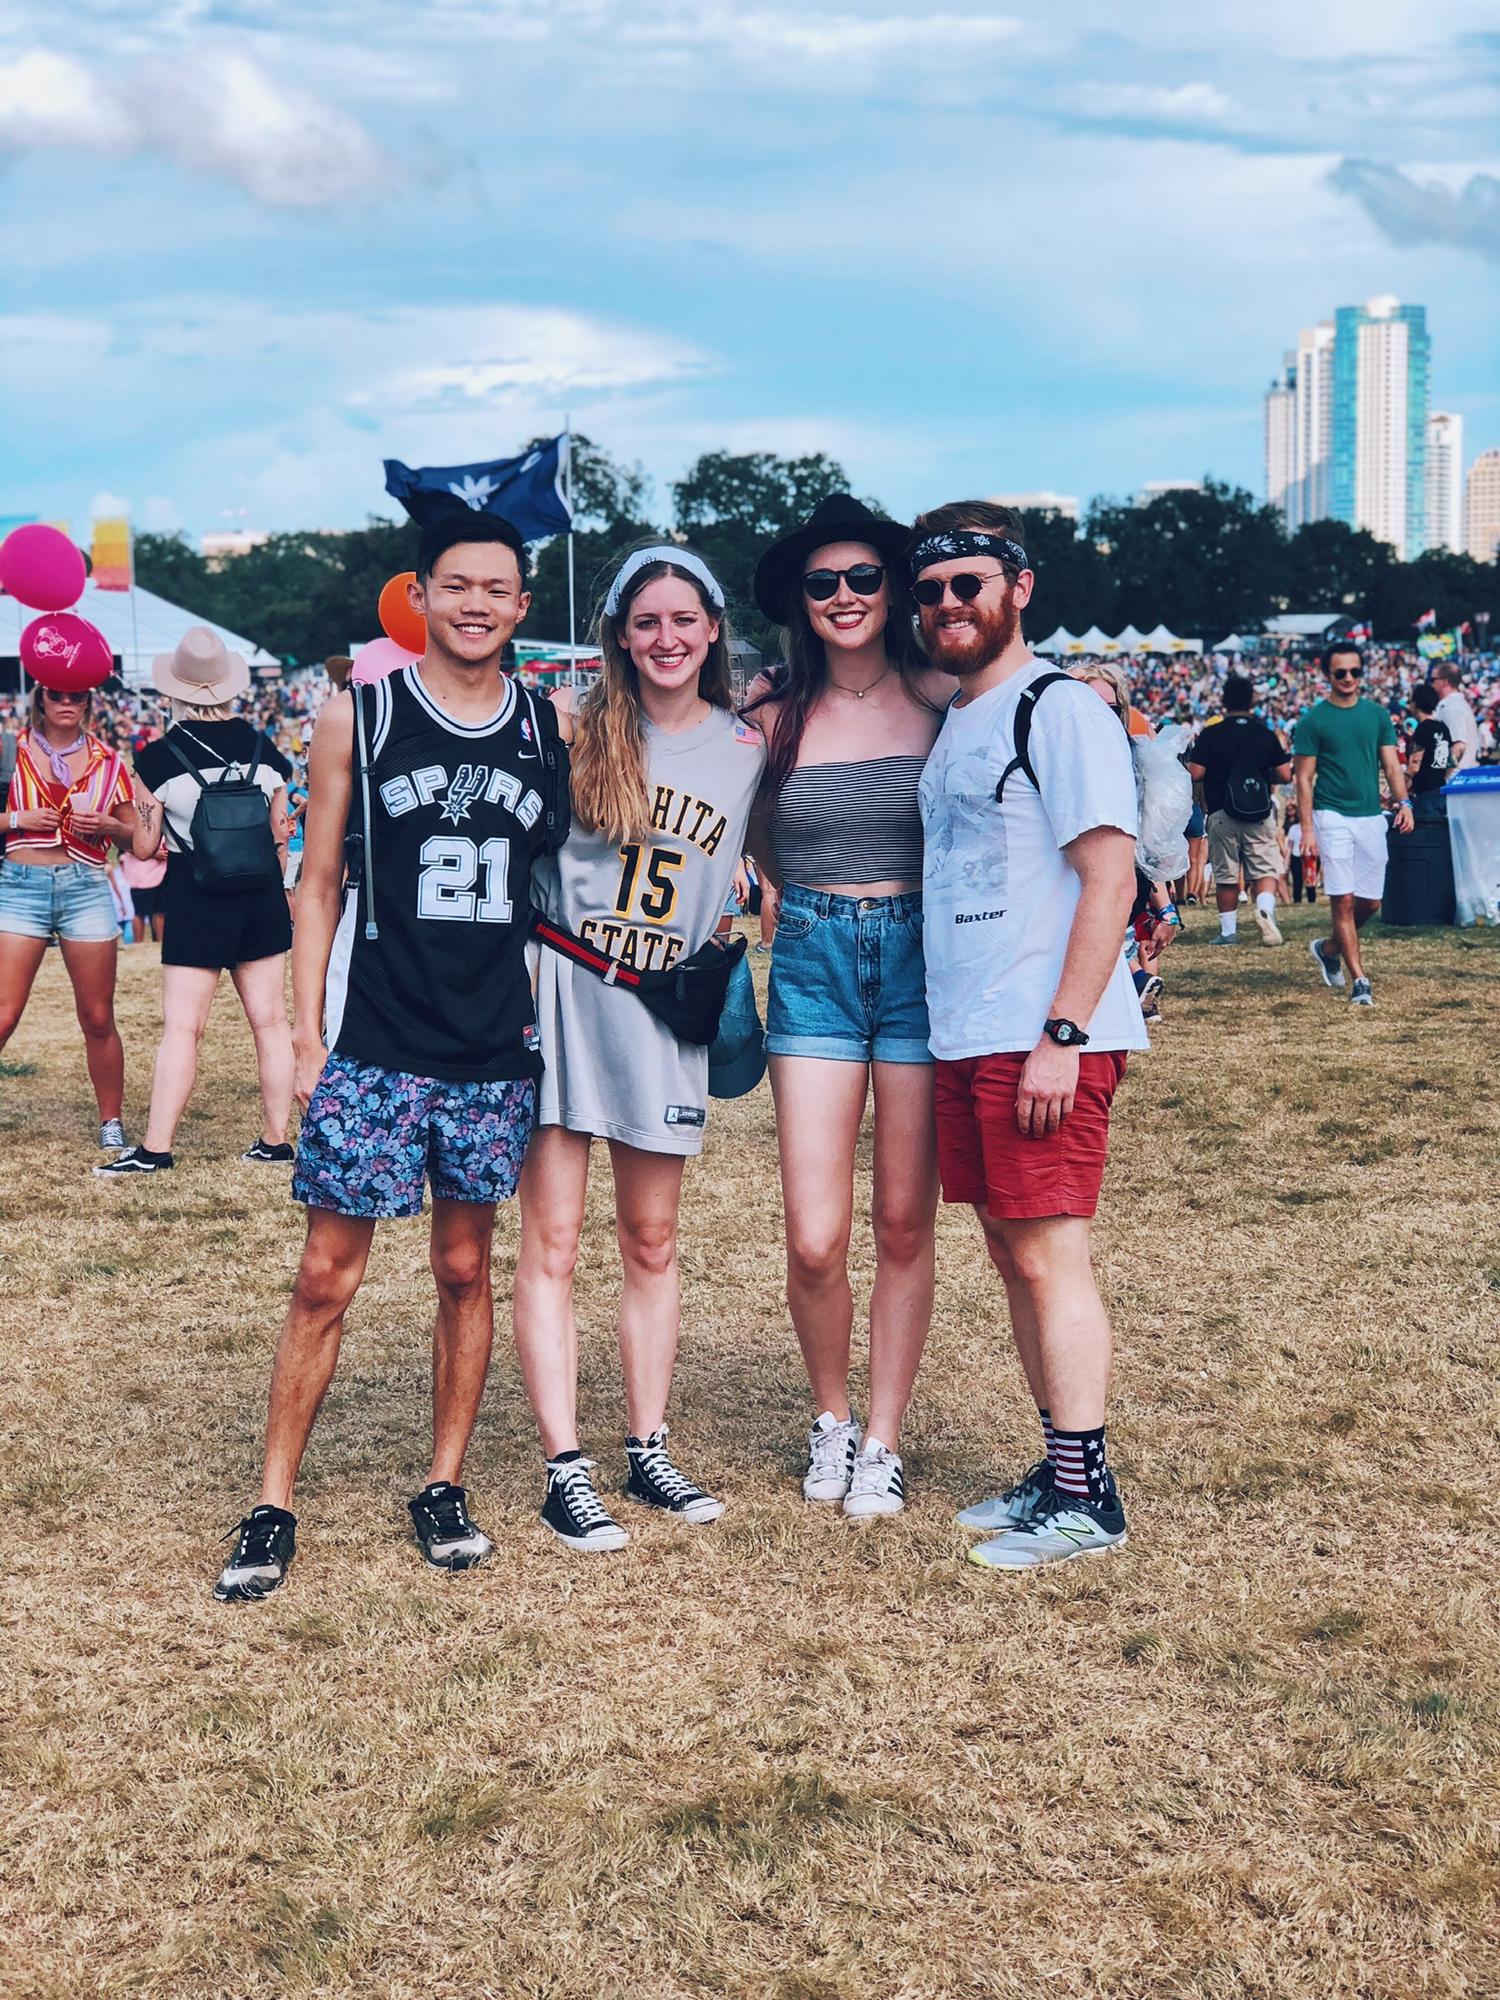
[[613, 1069]]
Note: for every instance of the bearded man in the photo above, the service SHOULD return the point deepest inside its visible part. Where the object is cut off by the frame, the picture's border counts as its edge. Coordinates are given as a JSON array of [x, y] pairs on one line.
[[1029, 816]]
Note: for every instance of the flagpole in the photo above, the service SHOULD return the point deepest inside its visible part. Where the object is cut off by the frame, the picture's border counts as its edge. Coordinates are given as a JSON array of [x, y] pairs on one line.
[[572, 589]]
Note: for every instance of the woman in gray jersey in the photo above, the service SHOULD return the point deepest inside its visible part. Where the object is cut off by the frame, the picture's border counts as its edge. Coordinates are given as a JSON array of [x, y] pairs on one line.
[[663, 776], [849, 723]]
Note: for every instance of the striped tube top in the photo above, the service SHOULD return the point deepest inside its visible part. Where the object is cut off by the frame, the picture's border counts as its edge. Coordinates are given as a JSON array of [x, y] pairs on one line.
[[850, 822]]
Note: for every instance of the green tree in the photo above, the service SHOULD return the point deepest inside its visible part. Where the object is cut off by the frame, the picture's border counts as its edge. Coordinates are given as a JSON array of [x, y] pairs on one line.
[[1333, 567], [1075, 584], [1204, 562]]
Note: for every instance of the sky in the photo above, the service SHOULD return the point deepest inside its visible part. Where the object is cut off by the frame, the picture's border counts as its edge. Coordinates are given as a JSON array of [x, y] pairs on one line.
[[249, 250]]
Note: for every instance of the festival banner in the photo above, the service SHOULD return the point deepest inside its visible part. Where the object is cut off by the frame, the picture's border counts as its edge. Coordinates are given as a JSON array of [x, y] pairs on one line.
[[1438, 646], [111, 553]]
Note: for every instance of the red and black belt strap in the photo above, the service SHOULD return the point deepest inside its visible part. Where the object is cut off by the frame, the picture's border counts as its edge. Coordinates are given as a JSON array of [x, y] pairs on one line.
[[609, 969]]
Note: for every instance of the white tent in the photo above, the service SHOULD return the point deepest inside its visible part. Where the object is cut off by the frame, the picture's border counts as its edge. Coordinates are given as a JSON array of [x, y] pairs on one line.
[[1162, 641], [1095, 641], [137, 625], [1061, 641], [1233, 644], [1129, 641]]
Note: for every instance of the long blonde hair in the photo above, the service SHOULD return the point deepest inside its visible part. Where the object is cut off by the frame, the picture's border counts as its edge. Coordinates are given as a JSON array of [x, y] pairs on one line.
[[609, 737], [1114, 677]]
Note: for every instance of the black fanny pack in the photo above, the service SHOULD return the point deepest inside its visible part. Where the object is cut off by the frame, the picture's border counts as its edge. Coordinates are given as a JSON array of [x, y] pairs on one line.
[[688, 999]]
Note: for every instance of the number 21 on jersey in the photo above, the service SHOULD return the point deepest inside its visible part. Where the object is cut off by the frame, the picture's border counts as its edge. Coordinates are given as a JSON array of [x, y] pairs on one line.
[[450, 869]]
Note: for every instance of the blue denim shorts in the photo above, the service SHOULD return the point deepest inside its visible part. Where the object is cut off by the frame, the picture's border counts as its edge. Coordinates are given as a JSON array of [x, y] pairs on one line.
[[371, 1136], [71, 902], [847, 980]]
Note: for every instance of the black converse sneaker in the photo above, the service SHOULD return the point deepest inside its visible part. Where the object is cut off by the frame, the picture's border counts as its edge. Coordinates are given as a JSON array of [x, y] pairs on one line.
[[573, 1511], [267, 1543], [656, 1482], [136, 1160], [265, 1154], [446, 1535]]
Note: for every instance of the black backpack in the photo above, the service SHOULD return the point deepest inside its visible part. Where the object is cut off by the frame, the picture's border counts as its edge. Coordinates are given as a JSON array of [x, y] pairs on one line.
[[233, 847], [1247, 791]]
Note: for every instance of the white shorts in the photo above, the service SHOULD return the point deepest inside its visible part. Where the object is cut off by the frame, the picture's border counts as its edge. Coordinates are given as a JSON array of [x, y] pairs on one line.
[[1354, 854]]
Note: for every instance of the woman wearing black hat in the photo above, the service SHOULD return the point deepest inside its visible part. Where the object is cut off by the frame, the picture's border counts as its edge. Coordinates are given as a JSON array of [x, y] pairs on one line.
[[849, 721]]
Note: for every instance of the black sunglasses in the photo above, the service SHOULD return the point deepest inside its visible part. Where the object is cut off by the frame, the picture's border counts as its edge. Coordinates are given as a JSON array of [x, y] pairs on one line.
[[864, 579], [966, 586], [1345, 673]]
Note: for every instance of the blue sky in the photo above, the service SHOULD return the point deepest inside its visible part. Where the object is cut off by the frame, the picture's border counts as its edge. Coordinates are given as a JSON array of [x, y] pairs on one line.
[[247, 250]]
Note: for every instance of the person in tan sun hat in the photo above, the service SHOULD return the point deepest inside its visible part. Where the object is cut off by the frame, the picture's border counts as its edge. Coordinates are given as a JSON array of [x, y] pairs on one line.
[[207, 930]]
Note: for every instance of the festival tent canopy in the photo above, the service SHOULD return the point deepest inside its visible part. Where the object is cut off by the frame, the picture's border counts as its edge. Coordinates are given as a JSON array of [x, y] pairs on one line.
[[1162, 641], [1095, 641], [1302, 624], [1129, 641], [1233, 644], [137, 625], [1061, 641]]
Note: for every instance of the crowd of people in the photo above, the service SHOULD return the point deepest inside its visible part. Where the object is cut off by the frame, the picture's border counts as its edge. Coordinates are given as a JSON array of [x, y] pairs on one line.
[[509, 942]]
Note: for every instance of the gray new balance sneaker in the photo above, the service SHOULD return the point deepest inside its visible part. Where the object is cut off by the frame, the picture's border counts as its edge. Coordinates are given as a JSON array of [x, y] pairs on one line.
[[1061, 1529], [1016, 1504], [1329, 964], [1360, 994]]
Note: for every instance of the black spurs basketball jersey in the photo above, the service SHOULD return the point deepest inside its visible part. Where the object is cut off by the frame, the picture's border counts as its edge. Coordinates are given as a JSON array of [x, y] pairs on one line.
[[456, 815]]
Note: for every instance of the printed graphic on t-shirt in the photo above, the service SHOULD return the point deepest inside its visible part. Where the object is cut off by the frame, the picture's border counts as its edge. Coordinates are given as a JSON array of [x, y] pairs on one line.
[[967, 853]]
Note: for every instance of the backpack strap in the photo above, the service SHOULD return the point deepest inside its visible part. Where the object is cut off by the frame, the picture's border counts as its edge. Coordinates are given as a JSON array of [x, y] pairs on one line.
[[555, 814], [1025, 710], [367, 842]]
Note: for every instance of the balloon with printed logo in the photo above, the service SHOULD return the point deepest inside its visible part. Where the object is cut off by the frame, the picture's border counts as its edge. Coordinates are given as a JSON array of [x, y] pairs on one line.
[[64, 652], [398, 621], [41, 568], [379, 658]]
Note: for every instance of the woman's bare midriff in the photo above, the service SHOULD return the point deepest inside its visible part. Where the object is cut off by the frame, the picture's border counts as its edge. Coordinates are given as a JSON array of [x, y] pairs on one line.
[[39, 857], [903, 888]]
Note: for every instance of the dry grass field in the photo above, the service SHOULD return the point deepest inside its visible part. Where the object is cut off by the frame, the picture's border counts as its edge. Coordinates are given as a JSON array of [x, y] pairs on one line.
[[1253, 1754]]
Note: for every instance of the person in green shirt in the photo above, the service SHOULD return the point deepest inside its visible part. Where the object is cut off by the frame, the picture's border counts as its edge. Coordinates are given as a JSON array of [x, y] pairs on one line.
[[1341, 748]]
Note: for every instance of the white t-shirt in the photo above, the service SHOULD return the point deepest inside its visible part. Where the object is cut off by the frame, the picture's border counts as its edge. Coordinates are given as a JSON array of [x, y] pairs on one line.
[[998, 895], [1462, 727]]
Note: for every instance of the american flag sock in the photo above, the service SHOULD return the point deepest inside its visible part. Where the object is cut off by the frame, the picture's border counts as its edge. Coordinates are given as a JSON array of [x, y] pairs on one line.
[[1081, 1467], [1050, 1435]]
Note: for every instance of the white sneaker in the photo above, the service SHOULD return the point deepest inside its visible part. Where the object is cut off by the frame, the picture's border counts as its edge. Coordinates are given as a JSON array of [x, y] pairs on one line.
[[876, 1485], [1266, 925], [832, 1447]]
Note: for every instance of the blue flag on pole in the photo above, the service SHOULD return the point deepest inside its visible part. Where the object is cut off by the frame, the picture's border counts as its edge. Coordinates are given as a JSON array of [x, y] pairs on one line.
[[526, 491]]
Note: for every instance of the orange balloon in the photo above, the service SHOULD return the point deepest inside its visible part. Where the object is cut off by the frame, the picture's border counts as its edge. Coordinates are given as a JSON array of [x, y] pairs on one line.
[[398, 621]]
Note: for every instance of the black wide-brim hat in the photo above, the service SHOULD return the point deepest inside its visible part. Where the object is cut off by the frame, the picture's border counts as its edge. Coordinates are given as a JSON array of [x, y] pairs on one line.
[[839, 518]]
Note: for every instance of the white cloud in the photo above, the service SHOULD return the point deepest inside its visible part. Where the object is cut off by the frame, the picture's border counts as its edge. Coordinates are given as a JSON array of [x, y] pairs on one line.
[[215, 112], [105, 506], [1184, 104]]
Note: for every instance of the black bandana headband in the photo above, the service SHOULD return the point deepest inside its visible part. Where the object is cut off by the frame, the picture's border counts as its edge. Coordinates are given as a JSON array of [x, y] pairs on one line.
[[965, 542]]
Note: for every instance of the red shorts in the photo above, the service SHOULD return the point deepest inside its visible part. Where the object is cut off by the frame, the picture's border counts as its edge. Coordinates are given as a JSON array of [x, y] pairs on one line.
[[985, 1159]]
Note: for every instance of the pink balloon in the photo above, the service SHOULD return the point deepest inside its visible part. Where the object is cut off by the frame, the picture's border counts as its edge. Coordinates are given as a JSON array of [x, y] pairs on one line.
[[39, 566], [65, 652], [379, 658]]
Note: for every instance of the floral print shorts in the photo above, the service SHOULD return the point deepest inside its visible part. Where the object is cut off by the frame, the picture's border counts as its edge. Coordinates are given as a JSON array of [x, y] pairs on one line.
[[371, 1136]]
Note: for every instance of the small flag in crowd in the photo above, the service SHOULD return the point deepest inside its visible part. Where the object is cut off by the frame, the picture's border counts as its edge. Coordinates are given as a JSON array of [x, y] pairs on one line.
[[111, 554], [1427, 621], [526, 491], [1360, 634]]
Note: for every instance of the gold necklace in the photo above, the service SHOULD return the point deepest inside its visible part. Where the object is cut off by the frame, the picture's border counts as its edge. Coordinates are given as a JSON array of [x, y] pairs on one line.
[[858, 693]]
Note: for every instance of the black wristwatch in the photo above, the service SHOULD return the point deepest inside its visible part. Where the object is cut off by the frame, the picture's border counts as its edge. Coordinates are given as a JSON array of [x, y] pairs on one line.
[[1066, 1034]]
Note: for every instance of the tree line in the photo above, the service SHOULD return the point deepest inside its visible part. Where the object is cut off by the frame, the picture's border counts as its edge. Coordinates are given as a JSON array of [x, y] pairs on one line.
[[1205, 563]]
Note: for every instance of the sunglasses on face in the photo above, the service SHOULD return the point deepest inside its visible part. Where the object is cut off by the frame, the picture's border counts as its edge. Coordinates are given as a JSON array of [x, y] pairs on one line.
[[864, 579], [966, 586], [1346, 673]]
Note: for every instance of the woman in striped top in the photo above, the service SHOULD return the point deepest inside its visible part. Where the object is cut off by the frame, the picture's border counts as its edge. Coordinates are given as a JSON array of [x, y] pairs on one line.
[[849, 722], [68, 798]]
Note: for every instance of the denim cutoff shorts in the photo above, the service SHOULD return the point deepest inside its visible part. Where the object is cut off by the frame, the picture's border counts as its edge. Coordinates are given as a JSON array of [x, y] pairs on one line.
[[847, 980], [70, 901]]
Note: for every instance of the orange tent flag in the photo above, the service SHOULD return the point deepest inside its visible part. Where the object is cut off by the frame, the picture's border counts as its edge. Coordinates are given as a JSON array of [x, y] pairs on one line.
[[111, 554]]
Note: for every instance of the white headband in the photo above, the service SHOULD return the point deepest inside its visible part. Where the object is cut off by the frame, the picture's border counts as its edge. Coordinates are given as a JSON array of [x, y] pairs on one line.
[[666, 552]]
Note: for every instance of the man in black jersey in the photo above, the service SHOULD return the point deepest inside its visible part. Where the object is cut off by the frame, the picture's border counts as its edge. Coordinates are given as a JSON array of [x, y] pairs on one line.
[[435, 782]]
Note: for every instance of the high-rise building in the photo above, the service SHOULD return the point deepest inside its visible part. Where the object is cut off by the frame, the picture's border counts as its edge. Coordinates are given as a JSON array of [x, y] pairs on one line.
[[1299, 429], [1065, 504], [1482, 507], [1281, 430], [1445, 481], [1154, 488], [1378, 471]]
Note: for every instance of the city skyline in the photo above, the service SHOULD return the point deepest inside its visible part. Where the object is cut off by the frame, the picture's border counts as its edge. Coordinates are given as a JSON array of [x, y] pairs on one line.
[[250, 252]]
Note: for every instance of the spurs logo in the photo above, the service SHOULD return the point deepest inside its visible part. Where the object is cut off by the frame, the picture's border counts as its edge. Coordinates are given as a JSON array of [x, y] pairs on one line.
[[467, 786]]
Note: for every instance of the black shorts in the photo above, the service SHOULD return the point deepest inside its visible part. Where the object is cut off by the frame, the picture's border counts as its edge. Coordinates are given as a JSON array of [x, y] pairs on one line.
[[217, 929], [146, 902]]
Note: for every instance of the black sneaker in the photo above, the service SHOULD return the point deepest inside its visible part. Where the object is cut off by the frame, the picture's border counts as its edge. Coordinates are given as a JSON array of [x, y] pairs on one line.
[[573, 1510], [267, 1543], [265, 1154], [136, 1160], [656, 1482], [448, 1538]]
